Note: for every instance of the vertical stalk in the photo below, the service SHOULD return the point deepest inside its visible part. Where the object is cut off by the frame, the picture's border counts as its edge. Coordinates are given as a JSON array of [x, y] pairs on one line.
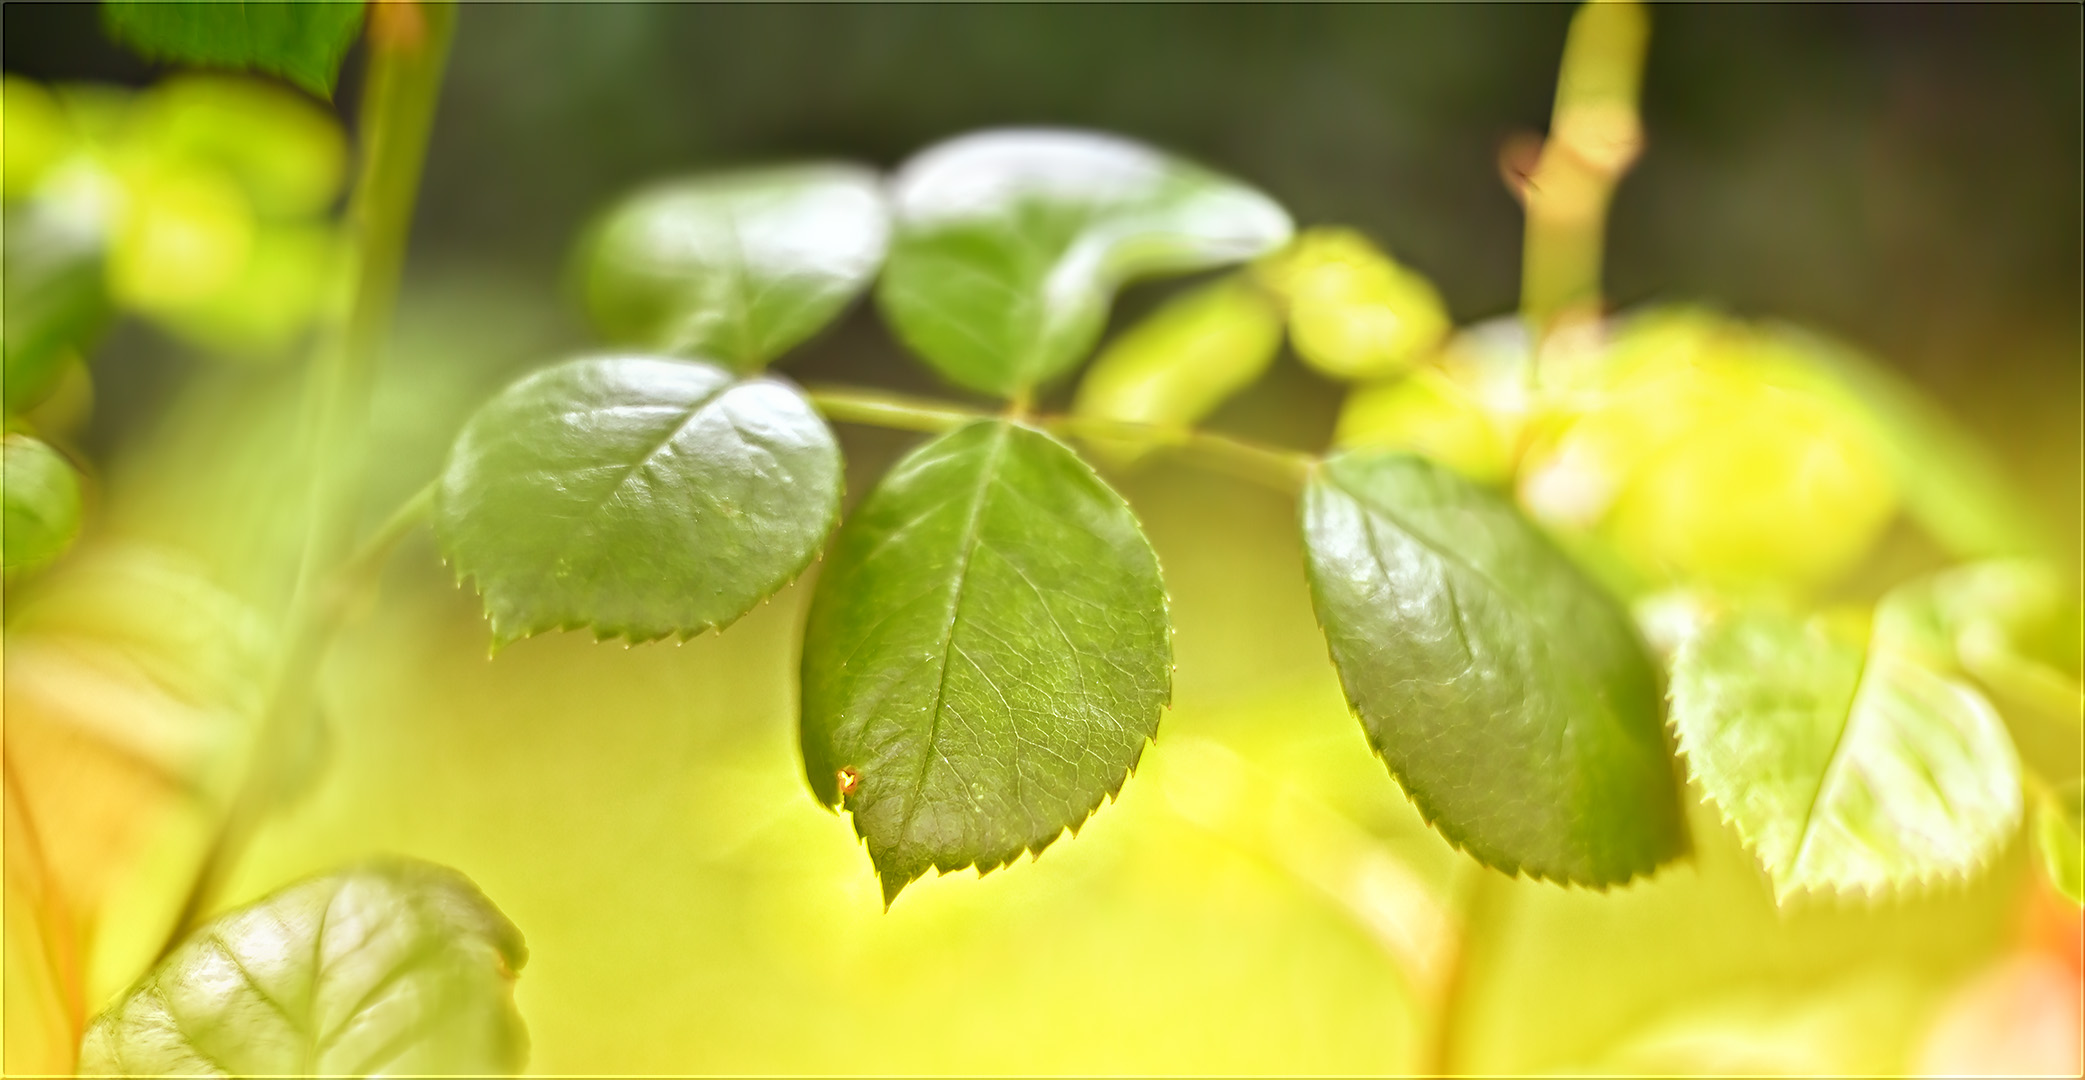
[[1594, 136], [408, 43], [1484, 902]]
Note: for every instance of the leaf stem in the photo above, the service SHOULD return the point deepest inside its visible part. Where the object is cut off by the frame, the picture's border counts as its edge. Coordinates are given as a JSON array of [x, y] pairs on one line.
[[1277, 467], [408, 48], [1484, 903]]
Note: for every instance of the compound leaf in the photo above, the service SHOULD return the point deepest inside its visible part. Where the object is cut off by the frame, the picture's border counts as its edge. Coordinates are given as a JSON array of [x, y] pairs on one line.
[[1842, 767], [986, 654], [391, 967], [301, 40], [42, 501], [637, 495], [1509, 696], [738, 266], [2061, 833], [1010, 245]]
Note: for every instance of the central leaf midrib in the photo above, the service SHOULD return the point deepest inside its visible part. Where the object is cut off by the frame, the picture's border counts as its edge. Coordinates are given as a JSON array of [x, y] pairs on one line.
[[1831, 765], [965, 551], [673, 433]]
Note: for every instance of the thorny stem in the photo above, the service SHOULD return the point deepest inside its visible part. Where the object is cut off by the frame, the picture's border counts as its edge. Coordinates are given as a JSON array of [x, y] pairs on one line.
[[408, 47], [1280, 468]]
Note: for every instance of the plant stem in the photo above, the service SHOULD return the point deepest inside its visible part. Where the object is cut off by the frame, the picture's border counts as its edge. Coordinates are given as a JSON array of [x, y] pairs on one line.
[[1280, 468], [408, 47], [1594, 136], [1484, 904]]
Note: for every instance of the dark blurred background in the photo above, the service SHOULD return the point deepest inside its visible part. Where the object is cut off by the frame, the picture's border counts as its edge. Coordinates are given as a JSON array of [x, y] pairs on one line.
[[1905, 176]]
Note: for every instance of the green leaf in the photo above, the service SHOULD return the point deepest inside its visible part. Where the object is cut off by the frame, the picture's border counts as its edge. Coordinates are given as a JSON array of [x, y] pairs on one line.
[[1010, 245], [986, 654], [391, 967], [736, 267], [1355, 313], [1510, 697], [1186, 359], [55, 301], [2061, 831], [301, 40], [1842, 767], [640, 496], [2012, 624], [42, 502]]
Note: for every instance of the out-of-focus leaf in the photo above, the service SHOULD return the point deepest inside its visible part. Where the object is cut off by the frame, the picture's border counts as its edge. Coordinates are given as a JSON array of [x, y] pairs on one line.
[[286, 154], [301, 40], [2060, 829], [391, 967], [2017, 1017], [1851, 1026], [1432, 415], [636, 495], [736, 267], [54, 300], [985, 656], [42, 497], [184, 237], [1842, 767], [38, 135], [1354, 313], [1186, 359], [2013, 624], [1949, 482], [272, 300], [1702, 453], [1509, 696], [1010, 245], [133, 686]]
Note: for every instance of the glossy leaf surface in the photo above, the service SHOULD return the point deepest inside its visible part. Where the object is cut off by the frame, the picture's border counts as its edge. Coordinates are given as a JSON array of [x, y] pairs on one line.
[[986, 655], [639, 496], [391, 967], [1842, 767], [1010, 245], [301, 40], [736, 267], [2060, 832], [1509, 696], [41, 493]]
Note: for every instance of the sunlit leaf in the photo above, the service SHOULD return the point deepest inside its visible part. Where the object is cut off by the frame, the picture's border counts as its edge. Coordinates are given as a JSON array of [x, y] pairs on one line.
[[1509, 696], [1010, 245], [301, 40], [1184, 360], [1354, 313], [986, 654], [54, 300], [736, 267], [1842, 767], [1702, 453], [2060, 830], [639, 496], [185, 236], [394, 966], [42, 497]]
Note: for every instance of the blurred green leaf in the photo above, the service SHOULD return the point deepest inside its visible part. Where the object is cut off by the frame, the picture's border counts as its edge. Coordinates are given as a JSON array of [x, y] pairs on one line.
[[54, 300], [301, 40], [639, 496], [986, 655], [1010, 245], [42, 497], [39, 135], [2060, 828], [1354, 313], [1842, 767], [736, 267], [391, 967], [1430, 414], [1509, 696], [1186, 359], [272, 300], [2012, 624], [287, 154], [1950, 482]]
